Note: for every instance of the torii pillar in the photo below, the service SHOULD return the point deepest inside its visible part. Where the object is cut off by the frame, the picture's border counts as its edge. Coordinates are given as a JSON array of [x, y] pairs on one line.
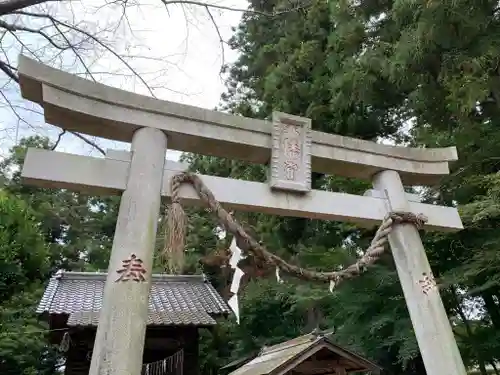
[[293, 149], [132, 258]]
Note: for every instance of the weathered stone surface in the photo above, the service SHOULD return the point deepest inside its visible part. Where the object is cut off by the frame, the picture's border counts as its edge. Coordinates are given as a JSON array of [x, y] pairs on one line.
[[80, 105], [109, 176], [119, 342], [432, 328], [291, 153]]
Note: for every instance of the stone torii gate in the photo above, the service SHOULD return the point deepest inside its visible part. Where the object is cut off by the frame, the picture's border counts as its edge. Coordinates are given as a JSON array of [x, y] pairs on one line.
[[293, 150]]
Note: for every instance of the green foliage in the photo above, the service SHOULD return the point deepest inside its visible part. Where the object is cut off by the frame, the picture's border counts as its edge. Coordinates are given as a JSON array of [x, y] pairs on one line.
[[23, 267], [423, 73], [23, 252], [78, 227], [41, 231]]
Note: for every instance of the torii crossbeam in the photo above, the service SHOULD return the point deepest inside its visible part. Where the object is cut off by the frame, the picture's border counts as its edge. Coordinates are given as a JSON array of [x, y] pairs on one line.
[[293, 151]]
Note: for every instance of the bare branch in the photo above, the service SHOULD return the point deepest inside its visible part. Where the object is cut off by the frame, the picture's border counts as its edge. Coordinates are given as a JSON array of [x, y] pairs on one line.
[[92, 37], [89, 142], [10, 6], [59, 137], [7, 69], [74, 51], [14, 28], [9, 103], [20, 119], [232, 9], [221, 40], [62, 35]]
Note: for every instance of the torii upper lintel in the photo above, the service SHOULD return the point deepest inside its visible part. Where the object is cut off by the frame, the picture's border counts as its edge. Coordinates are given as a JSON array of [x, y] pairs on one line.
[[77, 104]]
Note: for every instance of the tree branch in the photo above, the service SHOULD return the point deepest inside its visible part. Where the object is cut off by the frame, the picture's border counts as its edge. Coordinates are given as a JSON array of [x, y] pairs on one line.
[[14, 28], [62, 43], [8, 70], [55, 22], [221, 40], [9, 6], [89, 142], [232, 9], [59, 137], [78, 135]]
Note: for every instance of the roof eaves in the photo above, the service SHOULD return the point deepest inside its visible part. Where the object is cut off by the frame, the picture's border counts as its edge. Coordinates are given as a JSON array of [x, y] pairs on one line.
[[240, 361], [176, 318], [300, 340], [49, 294], [217, 298], [155, 277], [308, 347], [367, 362]]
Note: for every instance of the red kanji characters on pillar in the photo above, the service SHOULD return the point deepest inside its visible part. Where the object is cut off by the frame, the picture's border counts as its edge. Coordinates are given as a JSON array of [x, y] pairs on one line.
[[132, 269]]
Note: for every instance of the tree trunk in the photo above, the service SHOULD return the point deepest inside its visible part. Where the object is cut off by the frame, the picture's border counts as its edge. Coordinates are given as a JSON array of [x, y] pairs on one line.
[[492, 308], [492, 363]]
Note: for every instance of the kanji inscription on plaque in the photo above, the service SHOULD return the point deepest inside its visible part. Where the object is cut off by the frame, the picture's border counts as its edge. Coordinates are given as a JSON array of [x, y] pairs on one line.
[[132, 269], [291, 153]]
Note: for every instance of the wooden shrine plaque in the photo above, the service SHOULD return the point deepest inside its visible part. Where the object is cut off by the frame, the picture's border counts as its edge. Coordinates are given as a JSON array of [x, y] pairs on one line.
[[291, 153]]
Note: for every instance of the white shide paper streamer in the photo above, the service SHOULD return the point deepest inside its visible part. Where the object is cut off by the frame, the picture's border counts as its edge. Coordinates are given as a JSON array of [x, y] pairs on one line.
[[278, 277], [236, 256]]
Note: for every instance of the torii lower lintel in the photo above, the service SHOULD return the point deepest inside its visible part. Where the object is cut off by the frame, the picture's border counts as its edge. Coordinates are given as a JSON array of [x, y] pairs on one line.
[[109, 176]]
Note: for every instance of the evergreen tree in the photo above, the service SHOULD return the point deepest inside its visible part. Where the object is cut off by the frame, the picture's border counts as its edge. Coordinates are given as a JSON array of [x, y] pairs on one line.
[[23, 269], [423, 73]]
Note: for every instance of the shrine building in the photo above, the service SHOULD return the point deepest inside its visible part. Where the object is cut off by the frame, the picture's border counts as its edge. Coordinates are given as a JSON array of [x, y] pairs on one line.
[[178, 307], [311, 354]]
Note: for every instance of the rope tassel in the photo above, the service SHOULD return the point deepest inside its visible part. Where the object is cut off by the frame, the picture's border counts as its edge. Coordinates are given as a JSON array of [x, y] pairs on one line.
[[175, 230]]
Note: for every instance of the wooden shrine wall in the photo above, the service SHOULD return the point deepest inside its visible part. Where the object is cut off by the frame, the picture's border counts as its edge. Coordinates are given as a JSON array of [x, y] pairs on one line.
[[160, 343]]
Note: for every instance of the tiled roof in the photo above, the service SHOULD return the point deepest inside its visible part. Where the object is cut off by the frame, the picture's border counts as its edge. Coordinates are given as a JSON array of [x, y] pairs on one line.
[[174, 300], [271, 360]]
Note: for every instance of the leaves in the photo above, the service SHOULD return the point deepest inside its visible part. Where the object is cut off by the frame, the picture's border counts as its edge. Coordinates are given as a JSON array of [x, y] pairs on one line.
[[423, 73], [23, 251], [418, 73], [23, 267]]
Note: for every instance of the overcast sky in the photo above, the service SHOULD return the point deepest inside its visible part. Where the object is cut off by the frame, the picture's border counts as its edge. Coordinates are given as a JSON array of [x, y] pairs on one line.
[[178, 52]]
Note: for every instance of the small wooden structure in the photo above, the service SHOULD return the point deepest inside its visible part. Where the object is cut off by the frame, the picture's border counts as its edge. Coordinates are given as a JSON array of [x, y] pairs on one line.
[[178, 307], [311, 354]]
